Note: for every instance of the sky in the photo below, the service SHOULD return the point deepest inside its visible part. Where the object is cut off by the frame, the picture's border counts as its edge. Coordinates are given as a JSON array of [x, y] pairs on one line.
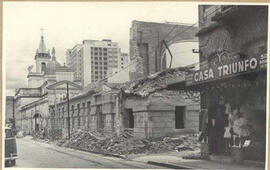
[[68, 23]]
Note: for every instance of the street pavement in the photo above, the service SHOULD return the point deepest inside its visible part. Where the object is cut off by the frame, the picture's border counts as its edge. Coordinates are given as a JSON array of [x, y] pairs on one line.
[[35, 154]]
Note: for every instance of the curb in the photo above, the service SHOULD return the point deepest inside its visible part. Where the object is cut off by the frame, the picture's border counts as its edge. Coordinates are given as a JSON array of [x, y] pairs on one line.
[[101, 153], [171, 166], [254, 163]]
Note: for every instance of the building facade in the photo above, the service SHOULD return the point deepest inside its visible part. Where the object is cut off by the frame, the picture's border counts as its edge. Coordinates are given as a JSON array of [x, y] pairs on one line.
[[232, 78], [94, 60], [147, 47], [143, 107], [94, 110], [46, 87], [32, 109]]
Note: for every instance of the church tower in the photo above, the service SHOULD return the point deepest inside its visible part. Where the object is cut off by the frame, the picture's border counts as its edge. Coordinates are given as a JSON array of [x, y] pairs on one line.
[[42, 56]]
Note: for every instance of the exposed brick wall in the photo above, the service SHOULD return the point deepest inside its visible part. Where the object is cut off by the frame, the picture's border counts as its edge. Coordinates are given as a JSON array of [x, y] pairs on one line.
[[145, 46]]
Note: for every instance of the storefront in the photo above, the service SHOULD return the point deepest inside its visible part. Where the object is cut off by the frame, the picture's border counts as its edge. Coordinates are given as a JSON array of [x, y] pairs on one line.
[[233, 102]]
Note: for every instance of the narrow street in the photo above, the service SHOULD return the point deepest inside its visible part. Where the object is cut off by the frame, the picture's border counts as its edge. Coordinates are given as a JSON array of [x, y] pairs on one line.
[[34, 154]]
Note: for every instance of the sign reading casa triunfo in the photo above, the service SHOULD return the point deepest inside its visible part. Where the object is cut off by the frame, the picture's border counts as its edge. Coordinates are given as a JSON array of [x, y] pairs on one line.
[[218, 71], [227, 69]]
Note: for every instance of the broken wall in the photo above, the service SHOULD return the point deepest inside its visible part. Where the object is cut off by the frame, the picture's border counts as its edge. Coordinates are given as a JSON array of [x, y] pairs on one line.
[[146, 49], [154, 116]]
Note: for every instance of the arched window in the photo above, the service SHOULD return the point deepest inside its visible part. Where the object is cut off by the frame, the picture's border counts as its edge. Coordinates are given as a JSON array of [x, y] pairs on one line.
[[43, 67]]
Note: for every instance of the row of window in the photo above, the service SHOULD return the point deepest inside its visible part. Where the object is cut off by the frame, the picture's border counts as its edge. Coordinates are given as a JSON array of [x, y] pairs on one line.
[[99, 48], [96, 72], [96, 78], [100, 63], [101, 54], [129, 120], [64, 122], [78, 108], [98, 58], [100, 67], [104, 49]]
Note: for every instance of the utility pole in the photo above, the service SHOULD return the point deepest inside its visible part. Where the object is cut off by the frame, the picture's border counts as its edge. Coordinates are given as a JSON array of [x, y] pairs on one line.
[[68, 111], [13, 114], [35, 117]]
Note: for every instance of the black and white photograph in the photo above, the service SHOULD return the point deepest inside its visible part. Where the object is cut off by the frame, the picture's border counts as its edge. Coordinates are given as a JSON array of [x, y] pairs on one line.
[[135, 85]]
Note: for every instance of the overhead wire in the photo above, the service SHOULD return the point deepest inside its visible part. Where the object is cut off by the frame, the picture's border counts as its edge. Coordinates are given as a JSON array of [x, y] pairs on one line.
[[110, 75], [192, 26], [189, 27], [163, 41]]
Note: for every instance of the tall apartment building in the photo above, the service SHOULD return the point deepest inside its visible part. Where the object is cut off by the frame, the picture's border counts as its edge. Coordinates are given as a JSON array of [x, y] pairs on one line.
[[123, 61], [93, 60], [74, 60]]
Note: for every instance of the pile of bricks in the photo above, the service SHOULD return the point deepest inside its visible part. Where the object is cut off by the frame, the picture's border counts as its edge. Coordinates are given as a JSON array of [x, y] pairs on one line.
[[126, 144], [55, 134]]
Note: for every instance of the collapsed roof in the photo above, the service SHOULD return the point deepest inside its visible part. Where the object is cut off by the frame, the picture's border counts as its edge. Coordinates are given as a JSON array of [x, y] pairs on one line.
[[158, 81]]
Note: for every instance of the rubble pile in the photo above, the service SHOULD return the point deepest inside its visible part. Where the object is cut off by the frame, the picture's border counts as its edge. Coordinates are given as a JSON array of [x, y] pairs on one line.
[[55, 134], [155, 82], [125, 144], [37, 135]]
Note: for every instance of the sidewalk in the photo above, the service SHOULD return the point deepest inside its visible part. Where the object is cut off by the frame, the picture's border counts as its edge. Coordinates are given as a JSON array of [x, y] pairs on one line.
[[176, 162]]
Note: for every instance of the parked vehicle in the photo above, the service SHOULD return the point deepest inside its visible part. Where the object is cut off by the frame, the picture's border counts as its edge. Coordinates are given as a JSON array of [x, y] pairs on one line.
[[10, 147]]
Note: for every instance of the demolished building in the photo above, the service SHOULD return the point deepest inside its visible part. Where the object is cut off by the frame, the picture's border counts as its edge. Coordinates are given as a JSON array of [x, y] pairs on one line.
[[143, 106]]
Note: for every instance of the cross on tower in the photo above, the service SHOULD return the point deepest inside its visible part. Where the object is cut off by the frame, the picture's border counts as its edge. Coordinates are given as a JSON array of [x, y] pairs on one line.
[[42, 29]]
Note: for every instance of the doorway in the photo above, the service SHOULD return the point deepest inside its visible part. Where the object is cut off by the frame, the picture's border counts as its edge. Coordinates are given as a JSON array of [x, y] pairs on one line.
[[180, 117], [129, 119]]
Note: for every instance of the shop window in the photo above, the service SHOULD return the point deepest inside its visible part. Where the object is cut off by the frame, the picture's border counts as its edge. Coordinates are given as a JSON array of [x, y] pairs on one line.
[[179, 117]]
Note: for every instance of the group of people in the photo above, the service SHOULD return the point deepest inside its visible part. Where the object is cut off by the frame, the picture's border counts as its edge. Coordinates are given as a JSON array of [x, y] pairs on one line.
[[223, 126]]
